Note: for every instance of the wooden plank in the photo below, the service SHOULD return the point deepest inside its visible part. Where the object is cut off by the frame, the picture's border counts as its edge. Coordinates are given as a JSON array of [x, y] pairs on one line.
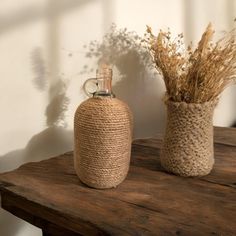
[[148, 202]]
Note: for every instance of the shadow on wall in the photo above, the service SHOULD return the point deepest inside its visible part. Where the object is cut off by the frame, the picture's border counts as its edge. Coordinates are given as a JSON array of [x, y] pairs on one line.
[[52, 141], [136, 81], [142, 91]]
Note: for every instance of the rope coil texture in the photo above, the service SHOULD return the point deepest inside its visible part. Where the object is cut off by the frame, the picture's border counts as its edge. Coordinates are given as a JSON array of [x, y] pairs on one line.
[[188, 142], [102, 141]]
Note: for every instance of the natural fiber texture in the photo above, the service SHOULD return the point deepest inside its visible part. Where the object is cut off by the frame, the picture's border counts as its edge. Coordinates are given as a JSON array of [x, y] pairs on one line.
[[194, 74], [188, 142], [103, 136]]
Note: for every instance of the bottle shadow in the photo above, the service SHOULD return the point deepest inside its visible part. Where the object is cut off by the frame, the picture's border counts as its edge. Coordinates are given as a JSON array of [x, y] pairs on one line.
[[143, 92], [48, 143]]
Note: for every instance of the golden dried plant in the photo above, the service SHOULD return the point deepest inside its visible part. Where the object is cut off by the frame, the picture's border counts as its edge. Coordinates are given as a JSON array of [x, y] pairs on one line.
[[193, 75]]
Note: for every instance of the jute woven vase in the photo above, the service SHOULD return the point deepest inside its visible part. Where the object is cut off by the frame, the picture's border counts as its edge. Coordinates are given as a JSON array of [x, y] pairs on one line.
[[188, 142], [102, 142]]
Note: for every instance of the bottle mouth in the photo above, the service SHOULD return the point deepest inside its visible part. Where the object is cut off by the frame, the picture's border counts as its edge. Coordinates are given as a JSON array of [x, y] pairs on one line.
[[104, 71]]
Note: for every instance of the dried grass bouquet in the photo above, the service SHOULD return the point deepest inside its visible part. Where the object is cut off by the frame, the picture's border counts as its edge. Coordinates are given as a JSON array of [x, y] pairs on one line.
[[194, 75]]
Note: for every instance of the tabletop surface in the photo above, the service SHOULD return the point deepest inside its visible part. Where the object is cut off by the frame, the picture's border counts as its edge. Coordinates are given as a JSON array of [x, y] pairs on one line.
[[150, 201]]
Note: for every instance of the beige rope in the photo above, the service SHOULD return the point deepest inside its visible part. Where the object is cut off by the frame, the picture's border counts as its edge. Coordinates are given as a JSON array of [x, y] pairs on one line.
[[188, 142], [102, 144]]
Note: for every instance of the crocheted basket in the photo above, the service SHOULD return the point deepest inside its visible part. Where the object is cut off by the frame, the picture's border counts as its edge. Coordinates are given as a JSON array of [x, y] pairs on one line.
[[102, 142], [188, 142]]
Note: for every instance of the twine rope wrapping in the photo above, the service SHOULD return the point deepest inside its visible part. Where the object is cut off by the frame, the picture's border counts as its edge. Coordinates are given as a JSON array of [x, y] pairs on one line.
[[188, 142], [102, 141]]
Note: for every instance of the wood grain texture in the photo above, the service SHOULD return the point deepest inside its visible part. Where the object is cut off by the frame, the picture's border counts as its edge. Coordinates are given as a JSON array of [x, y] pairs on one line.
[[150, 201]]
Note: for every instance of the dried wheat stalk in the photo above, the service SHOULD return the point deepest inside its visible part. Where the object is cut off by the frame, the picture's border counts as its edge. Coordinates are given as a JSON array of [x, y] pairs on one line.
[[194, 76]]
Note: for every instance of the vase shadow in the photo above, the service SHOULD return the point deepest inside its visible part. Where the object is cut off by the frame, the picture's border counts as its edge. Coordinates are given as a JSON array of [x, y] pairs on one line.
[[143, 91]]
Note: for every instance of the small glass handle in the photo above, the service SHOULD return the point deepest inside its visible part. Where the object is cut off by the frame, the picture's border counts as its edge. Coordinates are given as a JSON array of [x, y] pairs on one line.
[[86, 84]]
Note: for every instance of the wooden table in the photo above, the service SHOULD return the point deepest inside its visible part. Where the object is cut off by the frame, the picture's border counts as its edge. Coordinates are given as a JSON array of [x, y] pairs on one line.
[[48, 194]]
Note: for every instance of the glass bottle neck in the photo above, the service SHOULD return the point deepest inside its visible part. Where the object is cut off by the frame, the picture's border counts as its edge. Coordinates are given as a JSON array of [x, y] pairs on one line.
[[104, 82], [104, 87]]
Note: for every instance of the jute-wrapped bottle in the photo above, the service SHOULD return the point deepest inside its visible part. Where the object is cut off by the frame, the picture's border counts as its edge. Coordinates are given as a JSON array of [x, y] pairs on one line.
[[188, 142], [102, 136]]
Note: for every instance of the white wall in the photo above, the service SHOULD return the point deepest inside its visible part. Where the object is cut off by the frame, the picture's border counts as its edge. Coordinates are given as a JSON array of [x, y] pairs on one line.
[[41, 42]]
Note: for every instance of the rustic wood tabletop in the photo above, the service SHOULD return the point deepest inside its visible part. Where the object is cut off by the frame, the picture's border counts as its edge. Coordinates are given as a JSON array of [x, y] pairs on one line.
[[48, 194]]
